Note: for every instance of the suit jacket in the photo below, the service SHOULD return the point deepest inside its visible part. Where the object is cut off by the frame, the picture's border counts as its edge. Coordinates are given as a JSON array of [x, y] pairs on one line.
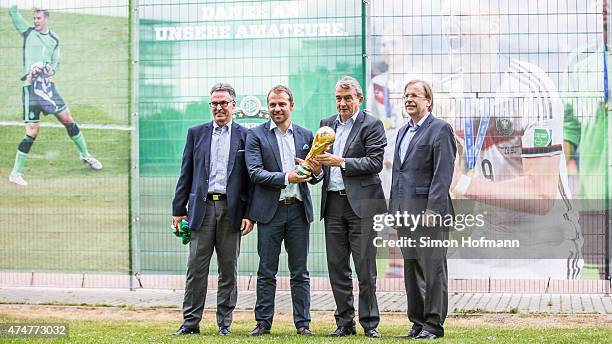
[[422, 180], [363, 153], [192, 185], [266, 170]]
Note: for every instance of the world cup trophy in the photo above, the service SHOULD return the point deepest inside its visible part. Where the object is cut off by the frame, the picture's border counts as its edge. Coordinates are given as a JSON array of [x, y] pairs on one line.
[[323, 139]]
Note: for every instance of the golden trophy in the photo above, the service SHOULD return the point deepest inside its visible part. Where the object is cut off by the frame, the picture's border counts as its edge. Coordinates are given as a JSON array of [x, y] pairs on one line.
[[323, 139]]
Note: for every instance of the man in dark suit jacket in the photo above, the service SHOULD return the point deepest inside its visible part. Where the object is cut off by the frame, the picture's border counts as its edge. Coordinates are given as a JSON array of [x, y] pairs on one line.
[[422, 174], [282, 208], [212, 193], [352, 195]]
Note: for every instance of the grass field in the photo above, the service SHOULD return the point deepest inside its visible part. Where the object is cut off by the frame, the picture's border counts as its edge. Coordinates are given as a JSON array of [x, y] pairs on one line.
[[122, 325], [70, 218]]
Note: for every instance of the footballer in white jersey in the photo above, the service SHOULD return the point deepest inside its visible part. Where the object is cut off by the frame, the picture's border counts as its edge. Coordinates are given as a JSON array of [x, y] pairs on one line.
[[382, 103], [525, 121]]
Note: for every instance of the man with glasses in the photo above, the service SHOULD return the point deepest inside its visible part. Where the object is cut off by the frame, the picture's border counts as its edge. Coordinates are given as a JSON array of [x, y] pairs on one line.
[[213, 195], [352, 195], [423, 165]]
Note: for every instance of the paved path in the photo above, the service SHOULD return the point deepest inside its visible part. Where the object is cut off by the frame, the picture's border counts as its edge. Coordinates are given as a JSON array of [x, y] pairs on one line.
[[388, 301]]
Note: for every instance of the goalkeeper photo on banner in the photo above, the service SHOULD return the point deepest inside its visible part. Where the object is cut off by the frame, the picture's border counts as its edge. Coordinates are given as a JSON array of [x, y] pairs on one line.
[[41, 52]]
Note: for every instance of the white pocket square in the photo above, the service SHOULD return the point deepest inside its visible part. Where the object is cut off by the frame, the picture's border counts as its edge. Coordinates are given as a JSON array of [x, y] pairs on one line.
[[240, 150], [306, 146]]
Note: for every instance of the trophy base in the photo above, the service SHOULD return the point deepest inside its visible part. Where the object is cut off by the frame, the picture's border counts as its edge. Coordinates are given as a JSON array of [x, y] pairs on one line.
[[303, 170]]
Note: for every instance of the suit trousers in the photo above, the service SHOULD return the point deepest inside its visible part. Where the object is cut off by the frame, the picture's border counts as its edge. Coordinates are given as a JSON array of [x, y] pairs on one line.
[[426, 282], [215, 234], [346, 234], [289, 225]]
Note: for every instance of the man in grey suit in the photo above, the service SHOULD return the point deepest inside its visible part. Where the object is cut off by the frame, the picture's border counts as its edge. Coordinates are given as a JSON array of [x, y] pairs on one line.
[[213, 182], [282, 208], [422, 173], [352, 195]]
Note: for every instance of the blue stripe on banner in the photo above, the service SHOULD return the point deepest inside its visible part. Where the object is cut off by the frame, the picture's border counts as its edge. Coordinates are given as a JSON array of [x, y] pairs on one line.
[[473, 148], [480, 136], [469, 135]]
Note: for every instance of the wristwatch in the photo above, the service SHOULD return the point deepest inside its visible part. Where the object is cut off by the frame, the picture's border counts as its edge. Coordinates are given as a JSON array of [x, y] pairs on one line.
[[343, 164]]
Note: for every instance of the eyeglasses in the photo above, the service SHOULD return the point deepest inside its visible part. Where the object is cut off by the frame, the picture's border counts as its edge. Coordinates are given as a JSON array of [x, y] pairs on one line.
[[406, 97], [223, 104]]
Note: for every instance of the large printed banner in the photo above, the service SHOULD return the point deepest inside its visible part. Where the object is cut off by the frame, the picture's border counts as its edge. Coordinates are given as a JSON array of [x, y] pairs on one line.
[[522, 83], [64, 135], [188, 46], [523, 86]]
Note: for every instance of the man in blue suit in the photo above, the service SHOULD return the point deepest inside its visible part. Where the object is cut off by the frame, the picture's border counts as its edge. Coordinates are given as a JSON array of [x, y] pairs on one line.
[[423, 167], [352, 194], [212, 193], [282, 208]]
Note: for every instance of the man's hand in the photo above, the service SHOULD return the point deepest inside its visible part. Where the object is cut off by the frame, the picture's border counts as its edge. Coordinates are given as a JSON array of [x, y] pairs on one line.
[[430, 219], [295, 178], [329, 159], [246, 227], [315, 166], [36, 70], [45, 71], [175, 222]]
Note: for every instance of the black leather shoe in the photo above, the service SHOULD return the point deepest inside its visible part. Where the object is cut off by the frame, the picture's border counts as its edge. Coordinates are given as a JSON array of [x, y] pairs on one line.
[[426, 335], [259, 331], [224, 331], [305, 331], [372, 333], [343, 331], [182, 331], [413, 333]]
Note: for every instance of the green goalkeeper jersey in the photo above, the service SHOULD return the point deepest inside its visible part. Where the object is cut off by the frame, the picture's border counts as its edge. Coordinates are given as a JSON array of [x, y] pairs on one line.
[[586, 123], [37, 47]]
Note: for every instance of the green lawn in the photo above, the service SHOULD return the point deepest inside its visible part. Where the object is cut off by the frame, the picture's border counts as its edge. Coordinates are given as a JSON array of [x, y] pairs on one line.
[[152, 330], [55, 155], [69, 217]]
